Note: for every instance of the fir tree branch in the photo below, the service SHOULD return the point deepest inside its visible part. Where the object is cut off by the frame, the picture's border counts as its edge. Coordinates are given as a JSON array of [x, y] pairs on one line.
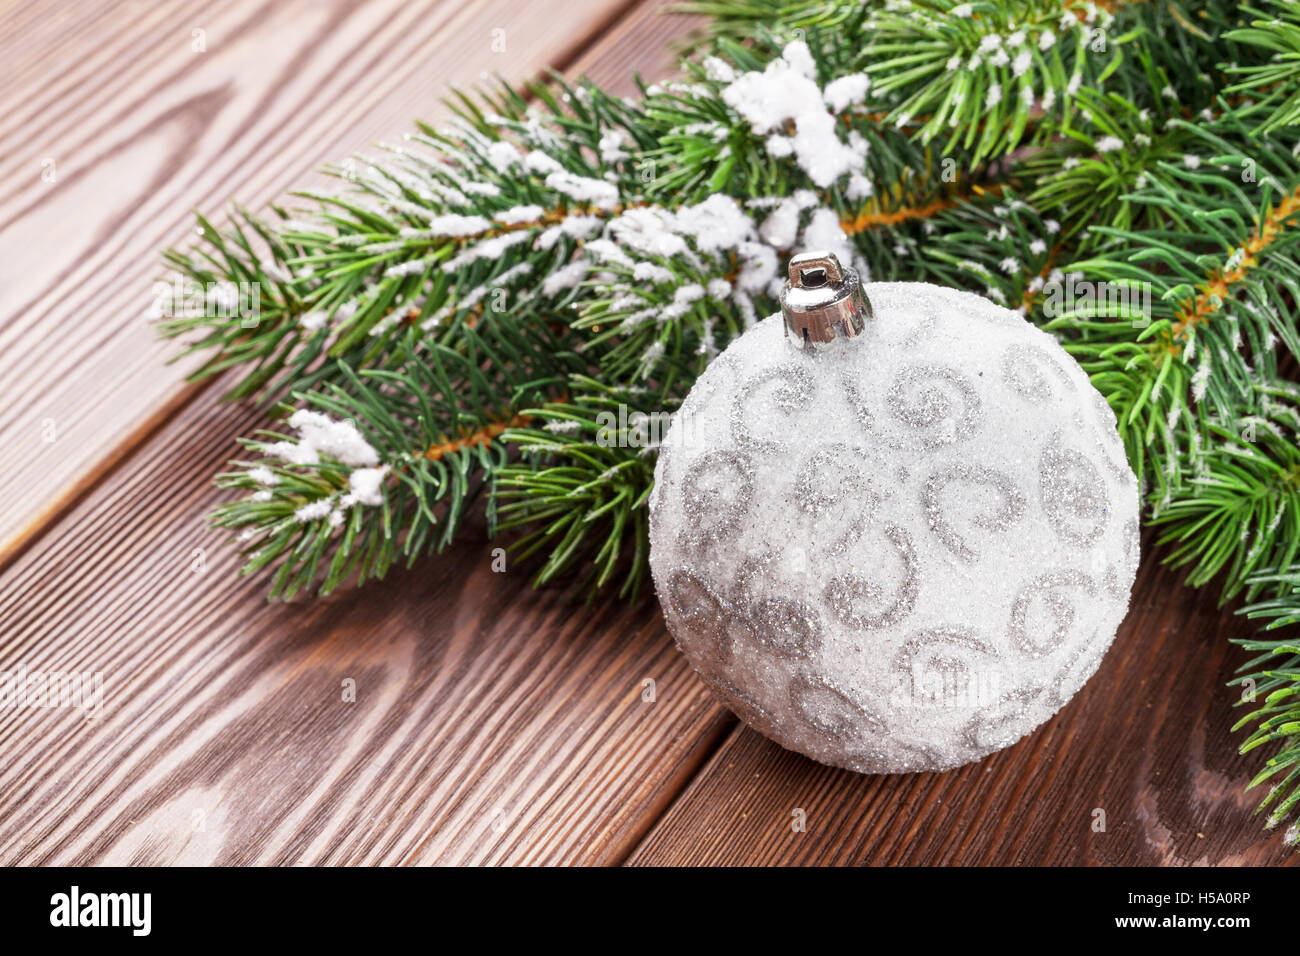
[[470, 308], [1278, 36]]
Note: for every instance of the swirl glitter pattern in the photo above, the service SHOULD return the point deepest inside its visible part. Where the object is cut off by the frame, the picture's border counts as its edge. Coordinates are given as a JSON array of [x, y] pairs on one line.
[[904, 552]]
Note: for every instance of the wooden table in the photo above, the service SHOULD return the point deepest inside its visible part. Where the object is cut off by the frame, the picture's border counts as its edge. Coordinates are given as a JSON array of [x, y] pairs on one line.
[[492, 723]]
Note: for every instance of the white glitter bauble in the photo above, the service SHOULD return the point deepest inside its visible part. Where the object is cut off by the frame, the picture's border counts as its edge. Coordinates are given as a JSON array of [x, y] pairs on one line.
[[903, 551]]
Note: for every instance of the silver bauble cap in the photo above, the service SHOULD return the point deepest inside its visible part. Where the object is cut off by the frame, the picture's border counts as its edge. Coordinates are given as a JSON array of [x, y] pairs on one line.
[[822, 301]]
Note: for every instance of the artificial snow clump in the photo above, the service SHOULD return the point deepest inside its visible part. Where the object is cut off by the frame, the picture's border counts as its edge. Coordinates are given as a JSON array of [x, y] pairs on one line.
[[786, 92], [366, 485], [319, 434]]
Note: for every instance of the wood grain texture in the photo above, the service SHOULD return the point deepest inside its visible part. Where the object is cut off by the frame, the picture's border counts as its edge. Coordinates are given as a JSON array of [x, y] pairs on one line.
[[1146, 741], [491, 723], [141, 129]]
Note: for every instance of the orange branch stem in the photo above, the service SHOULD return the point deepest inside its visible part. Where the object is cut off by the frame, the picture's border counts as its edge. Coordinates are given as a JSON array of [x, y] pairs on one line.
[[479, 436], [1209, 300]]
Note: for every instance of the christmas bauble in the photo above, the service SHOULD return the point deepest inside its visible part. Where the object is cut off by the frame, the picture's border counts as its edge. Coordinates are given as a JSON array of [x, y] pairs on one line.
[[894, 529]]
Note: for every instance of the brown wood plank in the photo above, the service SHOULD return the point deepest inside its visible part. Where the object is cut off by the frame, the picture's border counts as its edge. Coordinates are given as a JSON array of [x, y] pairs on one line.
[[141, 130], [1146, 740], [491, 723]]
